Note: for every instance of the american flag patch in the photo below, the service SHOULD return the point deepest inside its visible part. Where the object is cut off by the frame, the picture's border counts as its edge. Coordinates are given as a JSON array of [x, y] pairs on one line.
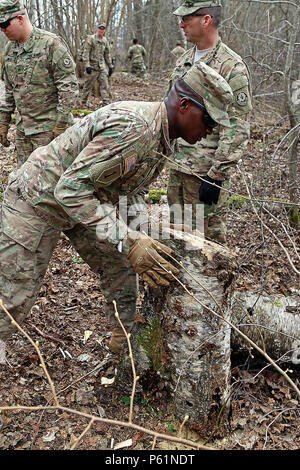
[[129, 163]]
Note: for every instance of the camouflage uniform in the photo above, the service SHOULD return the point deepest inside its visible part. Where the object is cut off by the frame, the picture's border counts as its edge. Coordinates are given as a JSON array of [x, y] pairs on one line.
[[177, 52], [96, 54], [219, 152], [41, 84], [69, 185], [136, 54]]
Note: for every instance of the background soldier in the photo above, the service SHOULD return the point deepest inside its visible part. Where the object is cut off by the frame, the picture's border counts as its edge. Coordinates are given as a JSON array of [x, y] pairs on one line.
[[137, 54], [214, 157], [96, 57], [40, 82], [74, 183], [177, 52]]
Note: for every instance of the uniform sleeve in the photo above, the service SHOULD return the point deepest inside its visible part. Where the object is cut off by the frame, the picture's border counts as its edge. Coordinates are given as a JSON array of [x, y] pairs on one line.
[[86, 52], [7, 102], [107, 56], [233, 140], [65, 80], [99, 165]]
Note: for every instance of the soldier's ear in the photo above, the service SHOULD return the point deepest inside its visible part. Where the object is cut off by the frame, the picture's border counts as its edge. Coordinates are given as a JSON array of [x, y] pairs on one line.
[[183, 105]]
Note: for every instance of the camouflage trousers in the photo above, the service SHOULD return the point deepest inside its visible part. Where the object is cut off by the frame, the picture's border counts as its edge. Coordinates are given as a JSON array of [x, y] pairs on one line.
[[26, 144], [26, 245], [102, 77], [138, 69], [183, 191]]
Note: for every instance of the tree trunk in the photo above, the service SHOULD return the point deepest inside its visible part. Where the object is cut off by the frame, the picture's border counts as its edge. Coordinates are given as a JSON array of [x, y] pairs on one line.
[[179, 343]]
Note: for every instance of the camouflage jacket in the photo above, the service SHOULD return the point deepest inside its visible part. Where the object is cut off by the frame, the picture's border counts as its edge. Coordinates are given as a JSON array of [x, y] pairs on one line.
[[136, 54], [96, 53], [40, 83], [219, 152], [79, 177], [177, 52]]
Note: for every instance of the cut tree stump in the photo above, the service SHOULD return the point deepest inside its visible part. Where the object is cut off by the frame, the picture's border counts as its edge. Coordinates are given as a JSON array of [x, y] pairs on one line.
[[178, 342]]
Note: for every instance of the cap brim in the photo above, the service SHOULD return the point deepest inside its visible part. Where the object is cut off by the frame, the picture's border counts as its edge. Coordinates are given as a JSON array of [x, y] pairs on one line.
[[8, 15], [218, 115], [183, 11]]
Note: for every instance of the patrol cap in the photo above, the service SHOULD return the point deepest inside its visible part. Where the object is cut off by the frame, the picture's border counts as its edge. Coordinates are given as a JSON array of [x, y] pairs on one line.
[[213, 89], [190, 6], [101, 25], [8, 8]]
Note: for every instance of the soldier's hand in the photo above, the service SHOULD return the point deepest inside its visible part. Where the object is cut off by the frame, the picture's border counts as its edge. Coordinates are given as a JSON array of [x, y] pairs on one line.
[[146, 257], [3, 134], [209, 193], [59, 129], [110, 71], [88, 70]]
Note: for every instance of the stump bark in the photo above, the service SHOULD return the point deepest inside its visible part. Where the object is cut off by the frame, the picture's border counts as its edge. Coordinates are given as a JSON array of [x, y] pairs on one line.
[[179, 343]]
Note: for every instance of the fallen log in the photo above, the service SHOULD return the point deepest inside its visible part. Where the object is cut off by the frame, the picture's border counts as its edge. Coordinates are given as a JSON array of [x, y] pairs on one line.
[[181, 341], [272, 322]]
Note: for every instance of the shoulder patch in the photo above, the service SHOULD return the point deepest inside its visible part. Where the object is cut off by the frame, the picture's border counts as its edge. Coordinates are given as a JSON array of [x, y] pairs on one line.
[[242, 98], [67, 62]]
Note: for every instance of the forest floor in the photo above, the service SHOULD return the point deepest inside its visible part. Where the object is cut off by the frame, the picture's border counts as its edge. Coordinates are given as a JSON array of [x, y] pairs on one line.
[[72, 330]]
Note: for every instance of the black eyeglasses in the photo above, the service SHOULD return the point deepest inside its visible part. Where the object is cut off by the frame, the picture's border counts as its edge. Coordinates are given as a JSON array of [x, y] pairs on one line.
[[6, 23], [207, 119], [185, 19]]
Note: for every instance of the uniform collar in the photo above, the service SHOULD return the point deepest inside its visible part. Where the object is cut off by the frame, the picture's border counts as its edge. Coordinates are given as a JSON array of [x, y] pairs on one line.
[[99, 39], [165, 138], [211, 53], [28, 45]]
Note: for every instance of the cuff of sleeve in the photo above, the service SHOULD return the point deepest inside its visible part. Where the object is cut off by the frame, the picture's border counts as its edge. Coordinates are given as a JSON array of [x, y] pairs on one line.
[[216, 175]]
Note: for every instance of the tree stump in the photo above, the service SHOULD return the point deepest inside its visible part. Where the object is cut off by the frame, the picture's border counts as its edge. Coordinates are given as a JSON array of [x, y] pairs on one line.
[[179, 343]]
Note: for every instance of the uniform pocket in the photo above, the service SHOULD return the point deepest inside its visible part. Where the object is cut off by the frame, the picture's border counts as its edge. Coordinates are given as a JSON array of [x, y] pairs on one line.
[[20, 230]]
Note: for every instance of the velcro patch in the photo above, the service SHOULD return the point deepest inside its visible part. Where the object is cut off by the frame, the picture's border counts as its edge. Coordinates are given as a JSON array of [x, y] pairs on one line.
[[109, 175], [104, 173]]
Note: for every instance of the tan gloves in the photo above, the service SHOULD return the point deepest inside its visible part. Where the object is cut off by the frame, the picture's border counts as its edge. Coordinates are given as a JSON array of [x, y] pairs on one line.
[[59, 129], [145, 260], [3, 134]]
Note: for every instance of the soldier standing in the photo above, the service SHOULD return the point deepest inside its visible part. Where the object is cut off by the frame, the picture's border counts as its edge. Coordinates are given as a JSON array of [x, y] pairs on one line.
[[40, 82], [214, 157], [75, 182], [177, 51], [96, 56], [137, 54]]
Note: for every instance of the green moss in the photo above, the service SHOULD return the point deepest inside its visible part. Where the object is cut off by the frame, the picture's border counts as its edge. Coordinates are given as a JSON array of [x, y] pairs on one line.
[[156, 194], [294, 217], [151, 340], [237, 201], [81, 112]]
